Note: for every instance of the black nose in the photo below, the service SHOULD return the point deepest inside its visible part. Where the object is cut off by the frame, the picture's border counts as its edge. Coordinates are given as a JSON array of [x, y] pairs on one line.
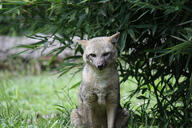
[[100, 66]]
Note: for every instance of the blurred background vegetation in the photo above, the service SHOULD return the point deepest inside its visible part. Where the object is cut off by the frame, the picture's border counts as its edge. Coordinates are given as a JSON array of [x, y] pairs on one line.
[[155, 50]]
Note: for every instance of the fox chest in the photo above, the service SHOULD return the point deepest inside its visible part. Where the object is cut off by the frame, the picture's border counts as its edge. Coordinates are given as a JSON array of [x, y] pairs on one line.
[[99, 94]]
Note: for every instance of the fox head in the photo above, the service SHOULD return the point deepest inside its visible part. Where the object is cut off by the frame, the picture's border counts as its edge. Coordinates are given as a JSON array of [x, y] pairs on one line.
[[100, 52]]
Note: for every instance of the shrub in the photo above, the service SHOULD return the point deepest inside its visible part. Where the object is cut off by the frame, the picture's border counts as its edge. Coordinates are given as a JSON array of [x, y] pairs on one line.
[[155, 44]]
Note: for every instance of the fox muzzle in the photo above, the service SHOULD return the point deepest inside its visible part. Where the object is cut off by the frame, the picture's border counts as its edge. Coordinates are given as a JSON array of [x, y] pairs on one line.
[[100, 66]]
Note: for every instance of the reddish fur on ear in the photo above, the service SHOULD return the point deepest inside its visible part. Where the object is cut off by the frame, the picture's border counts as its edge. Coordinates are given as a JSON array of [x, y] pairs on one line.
[[114, 38], [82, 42]]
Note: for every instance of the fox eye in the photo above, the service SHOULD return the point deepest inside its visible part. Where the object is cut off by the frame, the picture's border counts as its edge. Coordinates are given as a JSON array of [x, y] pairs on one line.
[[106, 54], [92, 55]]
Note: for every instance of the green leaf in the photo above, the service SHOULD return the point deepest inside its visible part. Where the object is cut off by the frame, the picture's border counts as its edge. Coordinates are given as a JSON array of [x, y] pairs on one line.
[[53, 57], [18, 53], [73, 57], [75, 85], [143, 26], [33, 45], [144, 90], [83, 1], [178, 38], [12, 10], [142, 97], [154, 30], [123, 41], [132, 34], [125, 21], [81, 19], [184, 23], [103, 1], [140, 16]]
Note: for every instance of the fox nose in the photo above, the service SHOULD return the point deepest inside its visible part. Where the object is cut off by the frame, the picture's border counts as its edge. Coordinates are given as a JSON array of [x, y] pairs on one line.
[[100, 66]]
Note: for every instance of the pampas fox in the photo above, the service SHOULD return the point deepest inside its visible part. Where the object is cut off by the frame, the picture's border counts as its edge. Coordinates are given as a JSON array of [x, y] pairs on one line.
[[99, 93]]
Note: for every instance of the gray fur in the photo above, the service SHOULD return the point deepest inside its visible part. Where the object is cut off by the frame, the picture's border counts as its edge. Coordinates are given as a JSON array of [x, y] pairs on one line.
[[99, 93]]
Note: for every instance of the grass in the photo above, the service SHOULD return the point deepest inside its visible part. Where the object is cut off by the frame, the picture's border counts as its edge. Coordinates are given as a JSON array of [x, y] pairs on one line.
[[25, 97], [45, 100]]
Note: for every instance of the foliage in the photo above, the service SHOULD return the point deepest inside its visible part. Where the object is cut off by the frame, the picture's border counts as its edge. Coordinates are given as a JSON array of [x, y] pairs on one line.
[[155, 44]]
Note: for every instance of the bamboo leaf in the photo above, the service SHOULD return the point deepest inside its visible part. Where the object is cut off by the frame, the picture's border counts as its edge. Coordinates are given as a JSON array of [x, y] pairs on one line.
[[140, 16], [178, 38], [142, 97], [132, 34], [123, 41], [12, 10], [75, 85], [184, 23]]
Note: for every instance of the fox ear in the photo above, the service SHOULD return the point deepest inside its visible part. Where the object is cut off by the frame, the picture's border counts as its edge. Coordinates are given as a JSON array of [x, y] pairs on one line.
[[82, 42], [114, 38]]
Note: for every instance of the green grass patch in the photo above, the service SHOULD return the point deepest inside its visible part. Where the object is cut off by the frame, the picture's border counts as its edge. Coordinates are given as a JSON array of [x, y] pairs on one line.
[[46, 100], [23, 98]]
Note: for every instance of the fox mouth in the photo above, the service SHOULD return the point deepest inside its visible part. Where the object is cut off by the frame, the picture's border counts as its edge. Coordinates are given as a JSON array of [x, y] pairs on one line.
[[101, 66]]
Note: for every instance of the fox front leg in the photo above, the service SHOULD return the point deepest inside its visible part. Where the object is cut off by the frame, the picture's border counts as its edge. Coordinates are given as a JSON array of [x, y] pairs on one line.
[[111, 114], [92, 121]]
